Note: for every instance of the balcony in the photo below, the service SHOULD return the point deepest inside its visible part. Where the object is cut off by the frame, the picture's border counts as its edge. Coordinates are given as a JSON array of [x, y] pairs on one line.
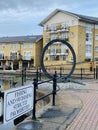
[[4, 58], [58, 52], [28, 58], [57, 29], [63, 29]]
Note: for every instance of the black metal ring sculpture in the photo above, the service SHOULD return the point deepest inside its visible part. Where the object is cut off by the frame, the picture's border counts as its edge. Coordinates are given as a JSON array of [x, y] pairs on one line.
[[42, 58]]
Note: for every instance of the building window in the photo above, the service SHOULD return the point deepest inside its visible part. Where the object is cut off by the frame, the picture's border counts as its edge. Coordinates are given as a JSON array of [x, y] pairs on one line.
[[27, 55], [52, 58], [3, 46], [1, 55], [13, 55], [96, 37], [63, 58], [88, 37], [53, 27], [64, 35], [96, 26], [53, 36], [96, 58], [63, 48], [73, 22], [88, 48], [47, 28], [53, 49], [64, 25], [30, 45], [16, 46], [25, 45], [11, 46], [96, 48], [88, 27], [72, 34], [47, 39]]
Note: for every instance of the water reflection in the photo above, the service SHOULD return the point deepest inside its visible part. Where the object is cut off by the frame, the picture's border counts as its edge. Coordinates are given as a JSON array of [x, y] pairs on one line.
[[6, 82]]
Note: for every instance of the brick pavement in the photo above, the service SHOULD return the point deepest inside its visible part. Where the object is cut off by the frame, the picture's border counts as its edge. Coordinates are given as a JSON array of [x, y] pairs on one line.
[[87, 119]]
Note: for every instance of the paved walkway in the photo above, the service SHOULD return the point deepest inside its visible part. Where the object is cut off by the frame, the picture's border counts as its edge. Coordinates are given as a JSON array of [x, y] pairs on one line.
[[66, 115], [87, 119]]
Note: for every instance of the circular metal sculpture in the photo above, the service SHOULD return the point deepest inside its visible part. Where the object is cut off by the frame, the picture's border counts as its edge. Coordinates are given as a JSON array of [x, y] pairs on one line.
[[46, 48]]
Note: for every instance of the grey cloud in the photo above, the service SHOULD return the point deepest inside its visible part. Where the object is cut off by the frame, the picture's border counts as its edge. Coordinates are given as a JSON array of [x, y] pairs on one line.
[[32, 4]]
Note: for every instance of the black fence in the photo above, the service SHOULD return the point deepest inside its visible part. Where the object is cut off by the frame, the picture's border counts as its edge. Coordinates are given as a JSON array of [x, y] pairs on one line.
[[21, 76], [53, 92], [79, 73], [37, 77], [36, 83]]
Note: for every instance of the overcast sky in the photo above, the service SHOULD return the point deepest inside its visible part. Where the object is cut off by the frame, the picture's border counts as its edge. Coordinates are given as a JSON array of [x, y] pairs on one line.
[[21, 17]]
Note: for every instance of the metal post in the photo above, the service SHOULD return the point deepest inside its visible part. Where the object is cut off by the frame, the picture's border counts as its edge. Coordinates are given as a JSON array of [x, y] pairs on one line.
[[22, 78], [1, 109], [37, 74], [54, 88], [81, 73], [60, 71], [40, 74], [94, 74], [35, 83], [25, 74]]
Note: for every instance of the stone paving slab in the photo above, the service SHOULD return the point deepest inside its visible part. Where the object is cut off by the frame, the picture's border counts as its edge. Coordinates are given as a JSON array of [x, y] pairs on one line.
[[55, 117]]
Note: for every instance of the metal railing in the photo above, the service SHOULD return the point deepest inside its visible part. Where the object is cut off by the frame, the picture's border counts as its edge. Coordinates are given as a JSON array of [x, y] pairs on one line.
[[53, 92]]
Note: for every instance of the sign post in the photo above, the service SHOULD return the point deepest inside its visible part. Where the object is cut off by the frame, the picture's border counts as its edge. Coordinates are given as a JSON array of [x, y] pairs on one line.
[[17, 102]]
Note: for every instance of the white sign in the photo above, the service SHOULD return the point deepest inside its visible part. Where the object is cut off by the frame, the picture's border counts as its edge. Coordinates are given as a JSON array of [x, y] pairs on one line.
[[17, 102]]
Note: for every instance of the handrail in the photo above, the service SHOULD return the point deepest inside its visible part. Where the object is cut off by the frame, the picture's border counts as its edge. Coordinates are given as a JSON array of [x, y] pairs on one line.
[[35, 83]]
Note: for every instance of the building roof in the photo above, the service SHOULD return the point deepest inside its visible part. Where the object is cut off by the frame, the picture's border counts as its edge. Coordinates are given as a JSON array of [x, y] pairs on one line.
[[85, 18], [25, 39]]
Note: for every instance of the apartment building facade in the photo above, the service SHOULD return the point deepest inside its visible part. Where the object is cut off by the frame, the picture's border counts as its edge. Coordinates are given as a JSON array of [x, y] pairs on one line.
[[20, 51], [79, 30]]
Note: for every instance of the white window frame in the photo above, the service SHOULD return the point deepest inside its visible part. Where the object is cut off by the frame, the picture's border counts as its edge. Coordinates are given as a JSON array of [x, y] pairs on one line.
[[89, 37], [3, 45], [96, 48], [53, 36], [13, 57], [65, 25], [53, 49], [64, 35], [1, 55], [27, 56], [96, 37], [88, 48], [53, 27]]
